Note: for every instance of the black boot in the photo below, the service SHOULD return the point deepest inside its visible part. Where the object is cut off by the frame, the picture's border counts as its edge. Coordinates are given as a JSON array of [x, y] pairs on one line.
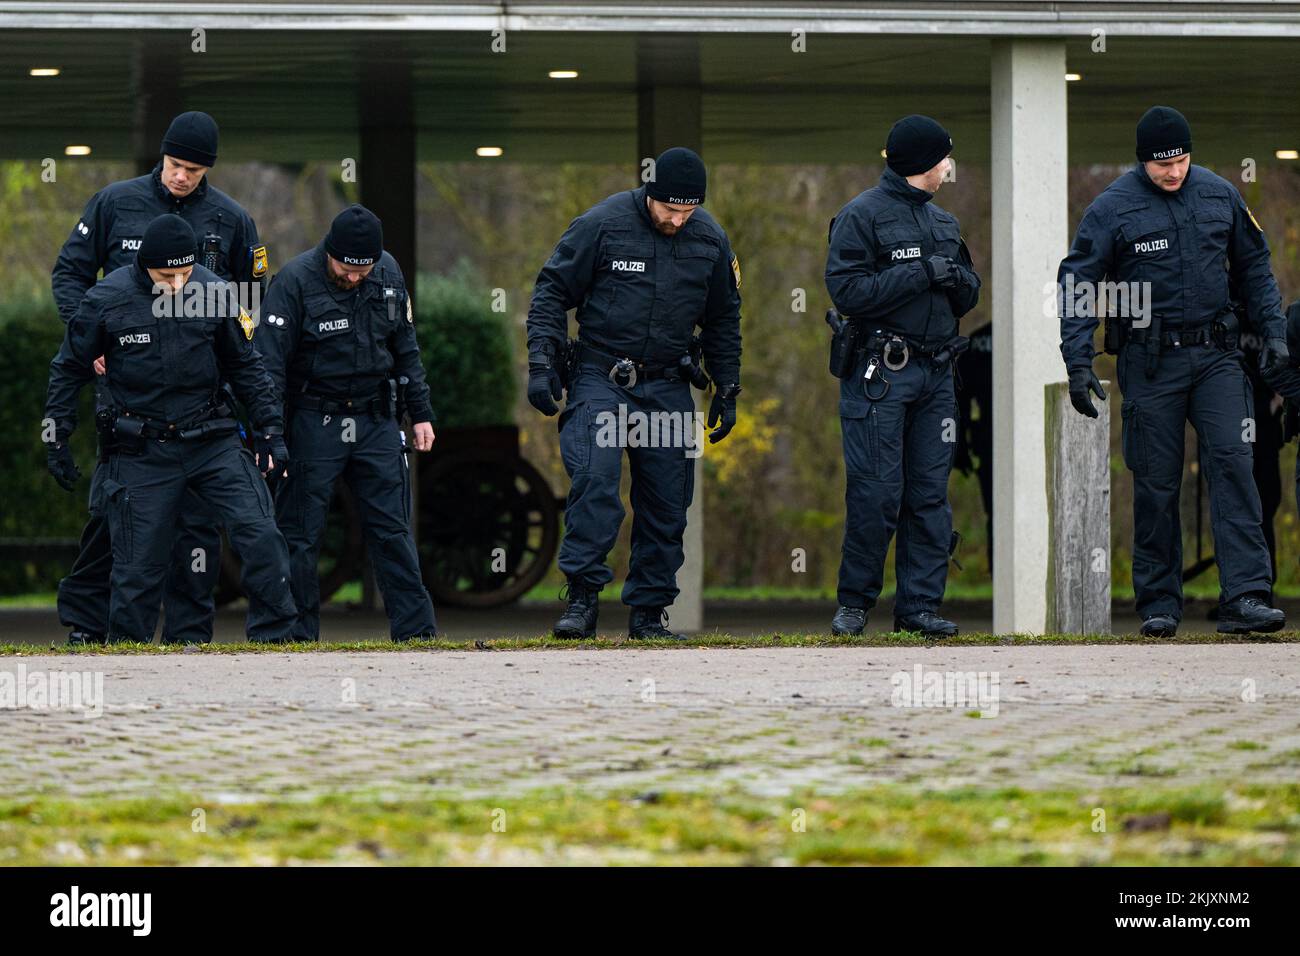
[[1249, 613], [927, 624], [647, 623], [79, 638], [578, 620], [1160, 625], [849, 621]]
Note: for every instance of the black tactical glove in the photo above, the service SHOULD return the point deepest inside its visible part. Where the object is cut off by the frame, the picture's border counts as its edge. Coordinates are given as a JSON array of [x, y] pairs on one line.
[[269, 448], [1274, 356], [722, 412], [1083, 380], [58, 459], [545, 387], [942, 272]]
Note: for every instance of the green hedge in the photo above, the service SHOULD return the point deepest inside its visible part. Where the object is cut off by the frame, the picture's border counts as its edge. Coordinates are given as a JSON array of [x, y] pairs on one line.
[[467, 353], [466, 349]]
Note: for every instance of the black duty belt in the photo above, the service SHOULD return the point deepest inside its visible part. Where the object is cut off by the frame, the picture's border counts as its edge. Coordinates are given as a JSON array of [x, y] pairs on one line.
[[624, 372], [334, 406], [212, 421], [1172, 338]]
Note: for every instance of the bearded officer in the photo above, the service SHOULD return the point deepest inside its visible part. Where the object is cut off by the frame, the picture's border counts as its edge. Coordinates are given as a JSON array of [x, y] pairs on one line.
[[643, 268], [900, 277], [107, 237], [169, 332], [1184, 234], [338, 335]]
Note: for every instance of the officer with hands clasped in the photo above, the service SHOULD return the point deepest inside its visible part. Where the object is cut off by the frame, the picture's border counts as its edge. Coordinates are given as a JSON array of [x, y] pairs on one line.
[[170, 331], [643, 268], [1172, 239], [338, 336], [900, 277], [107, 237]]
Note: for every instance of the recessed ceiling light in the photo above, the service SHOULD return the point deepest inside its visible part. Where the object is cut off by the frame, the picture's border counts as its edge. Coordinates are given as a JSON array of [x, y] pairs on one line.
[[1288, 154], [563, 74], [488, 151], [44, 71], [1073, 77], [76, 151]]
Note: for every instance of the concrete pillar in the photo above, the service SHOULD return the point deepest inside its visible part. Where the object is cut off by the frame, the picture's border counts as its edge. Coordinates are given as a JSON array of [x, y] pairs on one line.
[[156, 94], [386, 174], [669, 113], [1030, 235]]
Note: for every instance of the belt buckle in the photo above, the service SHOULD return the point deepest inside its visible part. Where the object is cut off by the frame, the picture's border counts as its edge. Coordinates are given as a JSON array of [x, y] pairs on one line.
[[889, 349], [624, 367]]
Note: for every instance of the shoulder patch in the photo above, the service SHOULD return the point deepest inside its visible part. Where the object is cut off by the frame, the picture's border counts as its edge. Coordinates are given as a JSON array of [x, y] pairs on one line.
[[735, 268], [246, 323], [259, 261]]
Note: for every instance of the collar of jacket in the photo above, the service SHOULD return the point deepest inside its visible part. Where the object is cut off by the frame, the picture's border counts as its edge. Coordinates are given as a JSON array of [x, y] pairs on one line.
[[1140, 173], [898, 186], [639, 199], [165, 194], [141, 276]]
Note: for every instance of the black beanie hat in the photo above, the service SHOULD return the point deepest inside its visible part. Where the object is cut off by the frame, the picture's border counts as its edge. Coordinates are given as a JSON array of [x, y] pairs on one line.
[[168, 243], [679, 178], [193, 138], [916, 143], [1163, 133], [356, 237]]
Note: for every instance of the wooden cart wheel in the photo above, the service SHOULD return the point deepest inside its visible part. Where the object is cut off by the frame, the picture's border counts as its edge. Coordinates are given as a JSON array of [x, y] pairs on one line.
[[489, 527]]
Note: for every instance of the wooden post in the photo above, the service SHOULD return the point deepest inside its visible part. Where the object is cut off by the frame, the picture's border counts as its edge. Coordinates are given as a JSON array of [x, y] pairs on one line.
[[1078, 508]]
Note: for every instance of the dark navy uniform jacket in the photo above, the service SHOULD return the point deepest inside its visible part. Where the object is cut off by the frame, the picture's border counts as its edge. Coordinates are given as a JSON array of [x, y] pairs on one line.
[[108, 235], [340, 344], [639, 293], [1189, 245], [164, 367], [874, 270]]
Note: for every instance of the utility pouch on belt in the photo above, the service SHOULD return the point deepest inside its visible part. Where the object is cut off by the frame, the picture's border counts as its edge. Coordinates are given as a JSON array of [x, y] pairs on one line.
[[128, 436], [846, 341], [104, 432], [209, 429], [1112, 338]]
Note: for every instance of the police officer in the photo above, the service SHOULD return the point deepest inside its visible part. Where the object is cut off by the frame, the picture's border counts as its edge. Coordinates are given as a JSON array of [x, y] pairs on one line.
[[1268, 413], [643, 268], [1169, 237], [338, 335], [169, 332], [1286, 382], [975, 435], [107, 237], [900, 275]]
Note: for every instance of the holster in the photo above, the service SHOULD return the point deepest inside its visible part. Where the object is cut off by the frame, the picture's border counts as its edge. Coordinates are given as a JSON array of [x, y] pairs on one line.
[[1227, 331], [104, 433], [846, 344], [691, 368], [568, 362]]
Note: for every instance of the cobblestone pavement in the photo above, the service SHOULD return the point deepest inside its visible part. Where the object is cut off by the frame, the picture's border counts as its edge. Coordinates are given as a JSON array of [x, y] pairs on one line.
[[769, 721]]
